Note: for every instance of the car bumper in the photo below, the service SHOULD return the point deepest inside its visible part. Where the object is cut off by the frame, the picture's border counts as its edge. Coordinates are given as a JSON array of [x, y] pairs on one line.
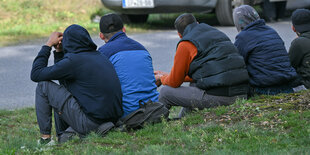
[[164, 6], [295, 4]]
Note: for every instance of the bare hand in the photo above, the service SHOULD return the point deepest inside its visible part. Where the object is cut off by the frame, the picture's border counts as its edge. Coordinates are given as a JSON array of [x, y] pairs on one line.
[[58, 47], [158, 81], [54, 40], [160, 73]]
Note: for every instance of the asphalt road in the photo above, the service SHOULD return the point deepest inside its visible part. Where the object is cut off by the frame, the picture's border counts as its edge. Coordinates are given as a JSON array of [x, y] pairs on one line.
[[17, 90]]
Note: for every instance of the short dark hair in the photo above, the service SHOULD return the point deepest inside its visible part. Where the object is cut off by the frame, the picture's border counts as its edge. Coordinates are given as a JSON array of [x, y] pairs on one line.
[[183, 20]]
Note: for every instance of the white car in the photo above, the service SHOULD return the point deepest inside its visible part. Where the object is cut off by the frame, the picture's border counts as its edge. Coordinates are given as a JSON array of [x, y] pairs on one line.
[[138, 10]]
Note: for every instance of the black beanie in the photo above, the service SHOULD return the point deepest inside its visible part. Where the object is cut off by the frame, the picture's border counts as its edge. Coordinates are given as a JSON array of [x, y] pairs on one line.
[[110, 23], [301, 20]]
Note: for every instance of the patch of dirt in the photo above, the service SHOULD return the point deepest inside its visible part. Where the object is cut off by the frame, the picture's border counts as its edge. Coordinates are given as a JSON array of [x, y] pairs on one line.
[[260, 108]]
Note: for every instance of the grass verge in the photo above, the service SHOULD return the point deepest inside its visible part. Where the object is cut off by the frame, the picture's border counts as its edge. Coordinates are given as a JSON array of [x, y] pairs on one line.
[[262, 125], [27, 20]]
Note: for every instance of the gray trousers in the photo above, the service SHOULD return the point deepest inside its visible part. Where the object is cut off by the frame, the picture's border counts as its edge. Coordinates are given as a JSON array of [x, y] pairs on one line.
[[193, 97], [67, 111]]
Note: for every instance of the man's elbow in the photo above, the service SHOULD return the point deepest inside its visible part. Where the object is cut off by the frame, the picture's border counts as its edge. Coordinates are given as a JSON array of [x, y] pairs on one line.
[[34, 77]]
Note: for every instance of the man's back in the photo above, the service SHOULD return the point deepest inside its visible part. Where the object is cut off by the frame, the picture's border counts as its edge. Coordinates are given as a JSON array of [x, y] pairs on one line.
[[265, 55], [95, 85], [85, 73], [218, 63], [134, 68]]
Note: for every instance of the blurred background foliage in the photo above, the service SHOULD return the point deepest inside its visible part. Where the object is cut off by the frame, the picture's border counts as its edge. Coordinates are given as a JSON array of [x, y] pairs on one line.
[[29, 19]]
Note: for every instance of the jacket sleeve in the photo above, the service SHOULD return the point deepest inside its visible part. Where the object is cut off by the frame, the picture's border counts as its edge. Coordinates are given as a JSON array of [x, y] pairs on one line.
[[185, 54], [58, 56], [296, 54], [61, 70]]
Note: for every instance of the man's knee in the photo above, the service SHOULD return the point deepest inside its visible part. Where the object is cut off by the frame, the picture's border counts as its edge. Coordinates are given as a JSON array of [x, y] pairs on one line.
[[40, 86], [165, 96], [43, 84], [164, 93]]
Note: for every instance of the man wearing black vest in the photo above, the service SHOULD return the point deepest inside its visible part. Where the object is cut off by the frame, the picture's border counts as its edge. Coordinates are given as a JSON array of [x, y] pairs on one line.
[[207, 59]]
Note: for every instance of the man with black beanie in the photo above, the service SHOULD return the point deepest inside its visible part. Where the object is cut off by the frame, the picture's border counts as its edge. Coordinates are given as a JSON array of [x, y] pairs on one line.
[[300, 48]]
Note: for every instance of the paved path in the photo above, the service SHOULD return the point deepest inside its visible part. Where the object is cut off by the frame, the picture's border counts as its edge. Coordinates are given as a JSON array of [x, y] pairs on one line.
[[17, 90]]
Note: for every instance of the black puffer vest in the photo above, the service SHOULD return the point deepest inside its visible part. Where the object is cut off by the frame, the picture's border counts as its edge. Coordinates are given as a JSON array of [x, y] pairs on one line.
[[217, 67]]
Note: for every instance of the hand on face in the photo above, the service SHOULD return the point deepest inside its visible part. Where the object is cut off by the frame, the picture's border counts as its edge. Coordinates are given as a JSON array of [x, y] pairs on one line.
[[58, 47], [55, 40]]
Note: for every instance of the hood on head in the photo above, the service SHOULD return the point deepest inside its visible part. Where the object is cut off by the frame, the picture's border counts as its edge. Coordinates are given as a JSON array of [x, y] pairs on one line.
[[244, 15], [76, 39]]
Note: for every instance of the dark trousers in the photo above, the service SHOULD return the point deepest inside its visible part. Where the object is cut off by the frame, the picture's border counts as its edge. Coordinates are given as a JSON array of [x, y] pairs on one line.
[[274, 10], [67, 111], [193, 97]]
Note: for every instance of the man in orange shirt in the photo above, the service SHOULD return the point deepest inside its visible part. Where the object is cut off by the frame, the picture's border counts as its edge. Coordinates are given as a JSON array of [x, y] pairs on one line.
[[207, 59]]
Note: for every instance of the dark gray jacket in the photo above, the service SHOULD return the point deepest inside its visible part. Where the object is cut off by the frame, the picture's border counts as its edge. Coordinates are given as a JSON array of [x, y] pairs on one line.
[[300, 57]]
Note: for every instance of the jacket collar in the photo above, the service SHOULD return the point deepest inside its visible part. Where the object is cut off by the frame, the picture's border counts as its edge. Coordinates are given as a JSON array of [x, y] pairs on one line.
[[117, 35], [189, 28], [260, 22], [306, 34]]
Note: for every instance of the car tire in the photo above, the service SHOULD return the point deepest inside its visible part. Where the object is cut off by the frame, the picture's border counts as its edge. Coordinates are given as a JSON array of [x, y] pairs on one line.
[[224, 10], [135, 18]]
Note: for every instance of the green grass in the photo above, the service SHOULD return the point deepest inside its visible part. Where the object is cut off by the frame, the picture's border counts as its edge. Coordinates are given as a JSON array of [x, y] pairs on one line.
[[262, 125], [25, 20]]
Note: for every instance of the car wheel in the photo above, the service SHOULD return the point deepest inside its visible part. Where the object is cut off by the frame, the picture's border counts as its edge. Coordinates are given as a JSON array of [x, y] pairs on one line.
[[224, 9], [135, 18]]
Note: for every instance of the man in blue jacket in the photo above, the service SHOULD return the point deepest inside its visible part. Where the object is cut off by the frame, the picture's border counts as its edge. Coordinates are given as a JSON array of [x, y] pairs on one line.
[[132, 63], [264, 53], [86, 97]]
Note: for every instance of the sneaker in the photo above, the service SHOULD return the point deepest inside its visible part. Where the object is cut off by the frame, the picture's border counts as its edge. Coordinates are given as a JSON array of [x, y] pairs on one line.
[[104, 128], [184, 111], [66, 136], [46, 141]]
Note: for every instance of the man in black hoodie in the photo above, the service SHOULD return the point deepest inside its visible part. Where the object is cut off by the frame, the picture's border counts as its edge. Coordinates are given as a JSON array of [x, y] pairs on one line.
[[89, 93]]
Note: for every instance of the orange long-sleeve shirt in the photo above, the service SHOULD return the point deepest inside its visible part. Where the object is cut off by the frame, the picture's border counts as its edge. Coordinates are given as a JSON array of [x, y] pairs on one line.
[[184, 55]]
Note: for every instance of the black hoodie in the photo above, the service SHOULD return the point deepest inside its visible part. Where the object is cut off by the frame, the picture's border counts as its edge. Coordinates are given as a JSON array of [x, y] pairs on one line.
[[87, 75]]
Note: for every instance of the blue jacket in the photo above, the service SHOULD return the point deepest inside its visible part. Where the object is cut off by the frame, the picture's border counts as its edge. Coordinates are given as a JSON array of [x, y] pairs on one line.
[[86, 74], [134, 68], [265, 55]]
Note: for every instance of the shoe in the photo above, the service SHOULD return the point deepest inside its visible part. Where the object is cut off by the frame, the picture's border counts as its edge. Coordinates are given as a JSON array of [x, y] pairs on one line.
[[104, 128], [121, 128], [66, 136], [46, 141], [184, 111]]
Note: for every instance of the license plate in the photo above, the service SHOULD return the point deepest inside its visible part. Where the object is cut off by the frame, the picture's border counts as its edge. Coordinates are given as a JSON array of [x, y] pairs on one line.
[[138, 4]]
